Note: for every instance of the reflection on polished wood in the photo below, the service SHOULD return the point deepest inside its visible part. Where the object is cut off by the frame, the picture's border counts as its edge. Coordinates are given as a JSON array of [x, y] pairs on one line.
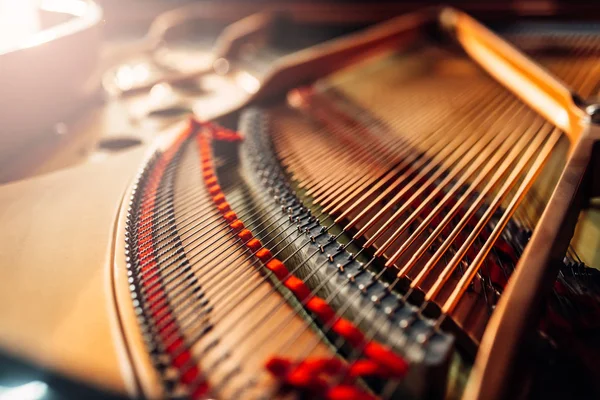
[[422, 145]]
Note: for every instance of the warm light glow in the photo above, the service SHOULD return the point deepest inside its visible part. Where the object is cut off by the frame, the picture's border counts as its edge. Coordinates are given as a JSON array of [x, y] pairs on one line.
[[540, 90], [35, 390], [248, 82], [522, 86], [162, 95], [130, 75], [77, 8], [19, 21]]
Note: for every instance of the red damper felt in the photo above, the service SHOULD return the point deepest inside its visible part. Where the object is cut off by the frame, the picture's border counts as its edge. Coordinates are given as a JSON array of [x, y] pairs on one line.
[[378, 353], [348, 392], [297, 287], [224, 207], [254, 245], [264, 255], [237, 225], [245, 235], [348, 331], [277, 268], [320, 307]]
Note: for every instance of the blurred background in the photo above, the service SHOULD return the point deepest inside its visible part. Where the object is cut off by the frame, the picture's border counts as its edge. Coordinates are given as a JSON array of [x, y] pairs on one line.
[[83, 80]]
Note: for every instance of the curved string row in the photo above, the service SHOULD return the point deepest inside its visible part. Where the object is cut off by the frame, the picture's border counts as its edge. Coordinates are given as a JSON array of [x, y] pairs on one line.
[[337, 183]]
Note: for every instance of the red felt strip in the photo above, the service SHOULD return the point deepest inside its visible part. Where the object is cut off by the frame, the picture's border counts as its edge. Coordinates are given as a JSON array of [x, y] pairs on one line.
[[160, 312], [307, 374]]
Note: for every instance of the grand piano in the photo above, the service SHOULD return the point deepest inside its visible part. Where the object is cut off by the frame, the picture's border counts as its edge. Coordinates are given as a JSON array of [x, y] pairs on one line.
[[328, 200]]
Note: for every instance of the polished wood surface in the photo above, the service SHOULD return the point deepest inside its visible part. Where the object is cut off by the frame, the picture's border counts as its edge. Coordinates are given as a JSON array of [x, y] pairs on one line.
[[36, 77], [530, 82], [509, 329], [62, 238], [56, 302]]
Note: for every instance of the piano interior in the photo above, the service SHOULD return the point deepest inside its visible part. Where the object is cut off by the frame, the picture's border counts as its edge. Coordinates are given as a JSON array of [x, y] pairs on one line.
[[301, 200]]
